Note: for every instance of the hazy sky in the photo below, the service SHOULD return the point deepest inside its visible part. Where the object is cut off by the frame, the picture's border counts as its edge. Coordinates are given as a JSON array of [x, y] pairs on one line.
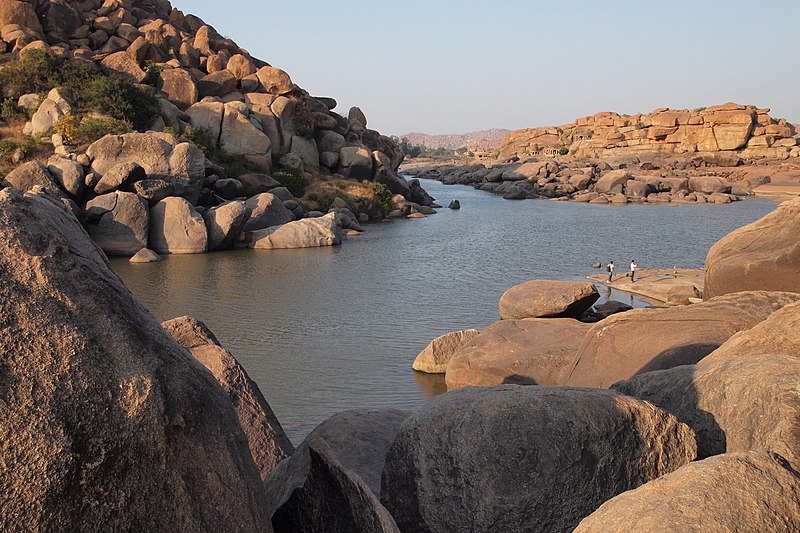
[[452, 67]]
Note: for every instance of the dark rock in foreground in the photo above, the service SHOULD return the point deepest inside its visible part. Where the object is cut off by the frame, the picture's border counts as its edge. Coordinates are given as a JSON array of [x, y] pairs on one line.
[[514, 458], [331, 483], [754, 491], [108, 424]]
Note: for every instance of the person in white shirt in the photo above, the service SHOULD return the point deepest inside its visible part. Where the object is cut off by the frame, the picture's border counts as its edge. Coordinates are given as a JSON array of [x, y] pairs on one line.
[[634, 266], [610, 270]]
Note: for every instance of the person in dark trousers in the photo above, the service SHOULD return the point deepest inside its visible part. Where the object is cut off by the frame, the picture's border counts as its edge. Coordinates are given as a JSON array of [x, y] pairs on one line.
[[610, 270], [634, 266]]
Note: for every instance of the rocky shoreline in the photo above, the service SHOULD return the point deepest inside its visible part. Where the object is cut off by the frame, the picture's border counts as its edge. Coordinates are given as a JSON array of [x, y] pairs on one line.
[[114, 421]]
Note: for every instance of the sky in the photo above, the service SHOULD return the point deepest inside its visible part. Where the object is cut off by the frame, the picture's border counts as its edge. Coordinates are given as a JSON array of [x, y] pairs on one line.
[[454, 67]]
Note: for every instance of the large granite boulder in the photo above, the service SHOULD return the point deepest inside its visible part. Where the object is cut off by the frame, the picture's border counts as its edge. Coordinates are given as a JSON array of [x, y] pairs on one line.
[[150, 150], [514, 458], [179, 87], [240, 137], [531, 351], [109, 424], [118, 222], [176, 228], [643, 340], [764, 255], [754, 491], [735, 404], [545, 298], [266, 210], [356, 162], [207, 116], [268, 443], [68, 174], [612, 182], [21, 14], [305, 233], [433, 359], [120, 176], [255, 183], [274, 80], [332, 481], [779, 333], [28, 175], [709, 184], [225, 223]]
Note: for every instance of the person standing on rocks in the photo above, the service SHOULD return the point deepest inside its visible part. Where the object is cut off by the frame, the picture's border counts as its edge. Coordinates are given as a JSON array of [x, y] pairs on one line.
[[610, 270], [634, 266]]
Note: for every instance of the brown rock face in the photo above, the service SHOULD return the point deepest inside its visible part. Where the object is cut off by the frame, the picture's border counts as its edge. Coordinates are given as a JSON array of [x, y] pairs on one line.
[[176, 228], [109, 424], [544, 298], [433, 359], [735, 404], [268, 442], [332, 481], [764, 255], [643, 340], [532, 351], [731, 492], [512, 458], [305, 233], [122, 228], [30, 174], [779, 333]]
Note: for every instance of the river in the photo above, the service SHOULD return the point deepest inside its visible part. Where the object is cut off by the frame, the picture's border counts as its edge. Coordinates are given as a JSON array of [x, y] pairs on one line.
[[329, 329]]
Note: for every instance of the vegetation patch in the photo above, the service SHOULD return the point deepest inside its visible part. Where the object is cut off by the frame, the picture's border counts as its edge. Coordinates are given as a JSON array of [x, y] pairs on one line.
[[295, 181], [368, 197], [83, 131]]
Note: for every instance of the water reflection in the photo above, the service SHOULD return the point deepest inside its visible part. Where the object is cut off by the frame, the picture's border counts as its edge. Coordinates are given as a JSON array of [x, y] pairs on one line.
[[324, 330]]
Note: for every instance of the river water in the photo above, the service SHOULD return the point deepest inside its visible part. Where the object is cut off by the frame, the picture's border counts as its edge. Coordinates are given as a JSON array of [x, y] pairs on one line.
[[329, 329]]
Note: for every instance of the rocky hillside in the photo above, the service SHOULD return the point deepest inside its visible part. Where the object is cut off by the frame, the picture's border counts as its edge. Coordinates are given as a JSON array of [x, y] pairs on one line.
[[483, 140], [748, 131]]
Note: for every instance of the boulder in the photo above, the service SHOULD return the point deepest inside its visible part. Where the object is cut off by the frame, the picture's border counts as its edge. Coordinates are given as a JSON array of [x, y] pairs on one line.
[[122, 65], [145, 255], [217, 83], [736, 404], [21, 14], [266, 210], [779, 333], [121, 222], [153, 190], [306, 150], [611, 307], [637, 189], [240, 66], [109, 423], [49, 112], [764, 255], [67, 173], [433, 359], [150, 150], [531, 351], [26, 176], [454, 204], [545, 298], [356, 115], [59, 19], [240, 137], [207, 116], [179, 87], [176, 228], [384, 174], [612, 182], [275, 80], [229, 188], [255, 183], [120, 176], [514, 458], [356, 163], [643, 340], [731, 492], [709, 184], [305, 233], [267, 441], [224, 224]]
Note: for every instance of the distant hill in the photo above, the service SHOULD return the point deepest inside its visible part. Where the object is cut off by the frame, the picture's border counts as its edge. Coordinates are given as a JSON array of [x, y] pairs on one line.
[[486, 139]]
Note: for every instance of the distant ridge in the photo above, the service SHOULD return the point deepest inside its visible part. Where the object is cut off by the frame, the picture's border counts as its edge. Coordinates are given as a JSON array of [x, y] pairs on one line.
[[486, 139]]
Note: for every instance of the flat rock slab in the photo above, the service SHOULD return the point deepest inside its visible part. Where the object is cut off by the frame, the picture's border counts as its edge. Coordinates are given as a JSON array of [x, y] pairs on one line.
[[525, 459], [655, 283], [547, 298], [643, 340], [731, 492], [433, 359], [531, 351]]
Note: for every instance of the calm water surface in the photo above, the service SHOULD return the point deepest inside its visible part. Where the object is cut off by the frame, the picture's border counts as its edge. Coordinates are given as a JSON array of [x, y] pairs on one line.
[[329, 329]]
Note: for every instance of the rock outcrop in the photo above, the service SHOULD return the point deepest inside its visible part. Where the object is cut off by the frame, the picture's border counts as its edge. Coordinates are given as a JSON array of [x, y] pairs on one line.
[[306, 233], [735, 404], [265, 436], [545, 298], [764, 255], [176, 228], [531, 351], [434, 358], [731, 492], [332, 481], [525, 458], [118, 222], [643, 340], [109, 424]]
